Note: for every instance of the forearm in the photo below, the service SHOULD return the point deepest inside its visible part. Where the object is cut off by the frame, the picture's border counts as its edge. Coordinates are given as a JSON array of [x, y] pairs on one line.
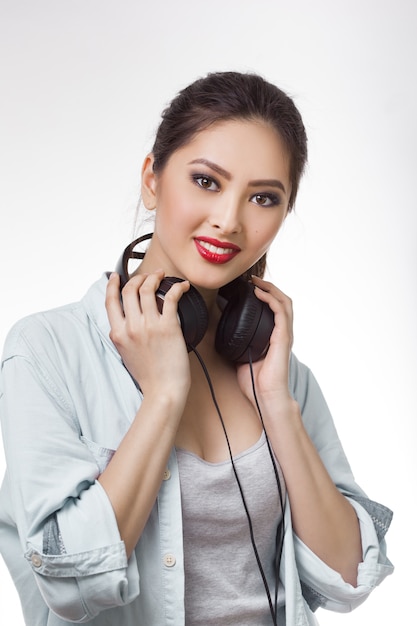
[[322, 517], [133, 477]]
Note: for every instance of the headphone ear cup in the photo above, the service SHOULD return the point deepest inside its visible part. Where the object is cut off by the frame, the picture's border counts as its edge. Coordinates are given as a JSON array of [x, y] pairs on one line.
[[192, 311], [246, 324]]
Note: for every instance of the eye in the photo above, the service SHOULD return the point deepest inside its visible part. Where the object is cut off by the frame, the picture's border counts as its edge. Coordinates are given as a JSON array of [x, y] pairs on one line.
[[266, 199], [206, 182]]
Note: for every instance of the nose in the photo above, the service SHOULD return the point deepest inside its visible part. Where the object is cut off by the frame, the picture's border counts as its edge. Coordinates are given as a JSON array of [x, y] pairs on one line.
[[226, 216]]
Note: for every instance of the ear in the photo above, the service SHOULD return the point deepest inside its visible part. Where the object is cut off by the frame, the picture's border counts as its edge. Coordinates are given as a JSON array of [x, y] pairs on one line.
[[148, 187]]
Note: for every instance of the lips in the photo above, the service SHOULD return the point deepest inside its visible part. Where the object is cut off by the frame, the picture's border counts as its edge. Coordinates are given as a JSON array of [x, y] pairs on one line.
[[215, 251]]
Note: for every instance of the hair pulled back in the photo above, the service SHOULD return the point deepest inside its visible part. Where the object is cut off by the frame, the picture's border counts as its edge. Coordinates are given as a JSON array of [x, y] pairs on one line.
[[225, 96]]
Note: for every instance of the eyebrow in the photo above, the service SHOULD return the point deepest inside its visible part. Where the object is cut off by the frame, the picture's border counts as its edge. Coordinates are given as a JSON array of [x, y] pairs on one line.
[[213, 166], [266, 182]]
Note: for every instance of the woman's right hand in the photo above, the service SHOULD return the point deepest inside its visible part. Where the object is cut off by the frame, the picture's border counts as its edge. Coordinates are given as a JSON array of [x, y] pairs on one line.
[[153, 350], [150, 343]]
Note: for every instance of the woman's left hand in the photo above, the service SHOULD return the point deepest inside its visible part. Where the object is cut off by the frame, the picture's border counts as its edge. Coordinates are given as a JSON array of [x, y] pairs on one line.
[[271, 373], [330, 528]]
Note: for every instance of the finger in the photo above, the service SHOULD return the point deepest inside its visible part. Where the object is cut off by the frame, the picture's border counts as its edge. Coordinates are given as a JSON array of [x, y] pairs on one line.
[[173, 296], [281, 306], [147, 294], [263, 287], [130, 295], [112, 300], [276, 300], [269, 287]]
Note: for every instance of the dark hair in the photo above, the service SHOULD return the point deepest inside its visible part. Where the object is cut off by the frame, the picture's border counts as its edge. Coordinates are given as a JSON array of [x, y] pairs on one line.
[[232, 96]]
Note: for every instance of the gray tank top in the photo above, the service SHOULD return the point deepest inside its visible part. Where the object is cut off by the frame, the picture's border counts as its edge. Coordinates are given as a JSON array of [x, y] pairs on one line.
[[223, 584]]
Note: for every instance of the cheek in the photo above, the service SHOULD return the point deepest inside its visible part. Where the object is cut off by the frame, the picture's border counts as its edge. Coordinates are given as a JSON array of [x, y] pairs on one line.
[[176, 215], [176, 201], [267, 232]]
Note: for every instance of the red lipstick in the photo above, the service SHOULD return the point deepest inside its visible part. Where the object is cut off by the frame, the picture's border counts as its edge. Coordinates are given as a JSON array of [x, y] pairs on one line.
[[215, 251]]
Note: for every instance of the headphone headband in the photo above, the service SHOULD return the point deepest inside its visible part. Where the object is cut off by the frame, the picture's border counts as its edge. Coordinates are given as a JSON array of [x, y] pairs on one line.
[[129, 253]]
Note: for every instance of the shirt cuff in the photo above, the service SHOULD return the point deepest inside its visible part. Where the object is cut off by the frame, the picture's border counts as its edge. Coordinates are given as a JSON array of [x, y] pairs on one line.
[[338, 595], [92, 572]]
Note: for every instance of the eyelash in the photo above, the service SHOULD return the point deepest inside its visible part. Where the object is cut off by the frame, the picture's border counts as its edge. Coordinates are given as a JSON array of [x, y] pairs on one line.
[[274, 200], [199, 177], [272, 197]]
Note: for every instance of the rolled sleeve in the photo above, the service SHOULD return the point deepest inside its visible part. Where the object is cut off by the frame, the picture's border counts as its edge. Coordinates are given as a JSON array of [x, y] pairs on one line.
[[327, 587], [321, 585], [90, 573], [73, 592], [66, 524]]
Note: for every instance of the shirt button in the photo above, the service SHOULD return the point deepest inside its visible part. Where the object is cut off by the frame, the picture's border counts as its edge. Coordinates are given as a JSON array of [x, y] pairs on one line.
[[169, 560], [167, 474], [36, 560]]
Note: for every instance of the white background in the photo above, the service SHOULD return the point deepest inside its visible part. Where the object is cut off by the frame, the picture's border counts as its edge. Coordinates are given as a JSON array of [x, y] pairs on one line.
[[83, 83]]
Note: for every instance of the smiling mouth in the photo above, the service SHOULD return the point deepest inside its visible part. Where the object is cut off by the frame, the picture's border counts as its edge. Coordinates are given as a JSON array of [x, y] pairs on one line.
[[215, 253], [215, 249]]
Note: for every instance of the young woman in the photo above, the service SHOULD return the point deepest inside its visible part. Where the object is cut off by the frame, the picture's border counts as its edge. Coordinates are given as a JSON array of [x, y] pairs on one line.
[[156, 479]]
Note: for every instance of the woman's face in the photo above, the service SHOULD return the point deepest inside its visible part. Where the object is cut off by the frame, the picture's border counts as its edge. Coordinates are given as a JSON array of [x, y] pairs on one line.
[[220, 200]]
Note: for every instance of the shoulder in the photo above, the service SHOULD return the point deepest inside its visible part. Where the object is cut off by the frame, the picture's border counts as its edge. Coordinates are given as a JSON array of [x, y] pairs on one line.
[[59, 329], [300, 378], [41, 331], [314, 409]]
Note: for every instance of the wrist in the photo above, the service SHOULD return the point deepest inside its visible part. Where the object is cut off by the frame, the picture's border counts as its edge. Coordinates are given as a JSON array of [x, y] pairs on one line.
[[281, 408], [169, 402]]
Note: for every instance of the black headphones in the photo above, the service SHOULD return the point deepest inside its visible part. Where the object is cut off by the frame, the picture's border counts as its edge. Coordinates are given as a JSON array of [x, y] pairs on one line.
[[246, 322]]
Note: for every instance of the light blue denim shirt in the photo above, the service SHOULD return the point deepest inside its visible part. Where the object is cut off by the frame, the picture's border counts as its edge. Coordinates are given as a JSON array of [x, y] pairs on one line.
[[66, 403]]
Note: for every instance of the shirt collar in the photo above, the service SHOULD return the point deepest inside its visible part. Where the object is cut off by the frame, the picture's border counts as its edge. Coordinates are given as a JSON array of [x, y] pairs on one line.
[[94, 304]]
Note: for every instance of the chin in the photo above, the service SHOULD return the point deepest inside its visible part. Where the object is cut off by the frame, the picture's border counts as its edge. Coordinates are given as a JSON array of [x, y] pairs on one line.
[[208, 279], [212, 285]]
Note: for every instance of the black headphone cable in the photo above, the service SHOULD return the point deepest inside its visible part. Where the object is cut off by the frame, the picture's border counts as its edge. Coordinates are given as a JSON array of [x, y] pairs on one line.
[[280, 528]]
